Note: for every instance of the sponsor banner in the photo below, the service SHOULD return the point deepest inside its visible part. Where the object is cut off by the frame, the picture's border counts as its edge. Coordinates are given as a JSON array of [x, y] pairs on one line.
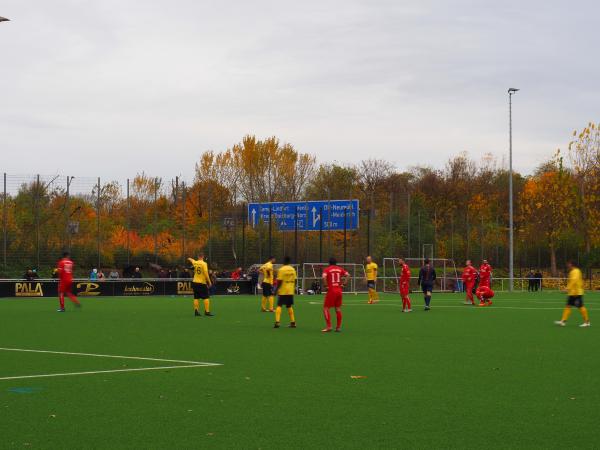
[[125, 287]]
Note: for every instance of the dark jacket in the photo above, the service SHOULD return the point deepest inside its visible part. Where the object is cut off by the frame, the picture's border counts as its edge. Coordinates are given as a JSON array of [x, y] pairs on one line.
[[427, 276]]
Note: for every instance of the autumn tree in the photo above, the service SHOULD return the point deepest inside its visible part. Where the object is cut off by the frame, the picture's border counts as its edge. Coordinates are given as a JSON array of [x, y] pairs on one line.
[[584, 156], [546, 203]]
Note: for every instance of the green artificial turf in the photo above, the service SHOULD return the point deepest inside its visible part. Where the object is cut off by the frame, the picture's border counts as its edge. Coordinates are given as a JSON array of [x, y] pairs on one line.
[[454, 377]]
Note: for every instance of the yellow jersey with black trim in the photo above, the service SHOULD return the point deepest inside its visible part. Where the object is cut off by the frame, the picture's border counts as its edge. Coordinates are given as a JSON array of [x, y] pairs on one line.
[[286, 277], [575, 283], [267, 270], [371, 271], [200, 271]]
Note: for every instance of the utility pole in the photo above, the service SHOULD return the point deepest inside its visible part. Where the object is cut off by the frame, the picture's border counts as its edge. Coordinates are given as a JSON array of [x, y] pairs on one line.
[[511, 231]]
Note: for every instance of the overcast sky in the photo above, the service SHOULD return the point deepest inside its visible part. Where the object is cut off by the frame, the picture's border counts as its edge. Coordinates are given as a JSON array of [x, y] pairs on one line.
[[112, 87]]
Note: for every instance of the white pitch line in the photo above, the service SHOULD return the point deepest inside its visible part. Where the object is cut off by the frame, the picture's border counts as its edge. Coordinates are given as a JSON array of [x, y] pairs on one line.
[[139, 369], [109, 356], [447, 306]]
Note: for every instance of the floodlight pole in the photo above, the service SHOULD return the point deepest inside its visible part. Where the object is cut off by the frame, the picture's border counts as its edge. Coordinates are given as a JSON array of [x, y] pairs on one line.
[[511, 231]]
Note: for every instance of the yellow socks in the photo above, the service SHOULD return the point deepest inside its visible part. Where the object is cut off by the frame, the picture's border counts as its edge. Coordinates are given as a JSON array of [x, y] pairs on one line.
[[196, 305], [375, 295], [291, 313], [566, 314], [271, 300], [585, 314], [278, 314], [263, 303], [206, 305]]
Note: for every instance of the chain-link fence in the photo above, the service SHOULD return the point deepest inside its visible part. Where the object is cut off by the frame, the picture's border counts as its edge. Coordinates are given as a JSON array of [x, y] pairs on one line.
[[157, 222]]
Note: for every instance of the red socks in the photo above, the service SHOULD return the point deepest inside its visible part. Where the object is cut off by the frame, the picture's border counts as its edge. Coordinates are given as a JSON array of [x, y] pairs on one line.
[[338, 316], [327, 314], [72, 298], [61, 299]]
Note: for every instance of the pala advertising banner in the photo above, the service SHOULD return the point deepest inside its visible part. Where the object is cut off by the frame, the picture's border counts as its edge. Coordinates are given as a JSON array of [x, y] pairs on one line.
[[119, 288]]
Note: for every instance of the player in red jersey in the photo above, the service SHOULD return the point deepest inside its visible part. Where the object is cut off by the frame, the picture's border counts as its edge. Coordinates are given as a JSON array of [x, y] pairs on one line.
[[335, 277], [65, 275], [484, 291], [403, 284], [469, 276]]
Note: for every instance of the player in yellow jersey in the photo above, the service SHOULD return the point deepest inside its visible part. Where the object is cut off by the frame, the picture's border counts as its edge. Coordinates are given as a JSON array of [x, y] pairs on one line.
[[267, 284], [200, 284], [286, 288], [371, 272], [575, 296]]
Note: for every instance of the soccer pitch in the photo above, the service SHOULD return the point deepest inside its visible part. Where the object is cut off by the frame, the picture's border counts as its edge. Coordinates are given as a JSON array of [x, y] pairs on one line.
[[454, 377]]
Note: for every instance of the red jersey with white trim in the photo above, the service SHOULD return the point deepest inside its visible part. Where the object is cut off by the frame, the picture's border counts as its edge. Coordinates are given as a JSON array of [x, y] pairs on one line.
[[65, 270], [333, 276], [469, 275], [485, 273]]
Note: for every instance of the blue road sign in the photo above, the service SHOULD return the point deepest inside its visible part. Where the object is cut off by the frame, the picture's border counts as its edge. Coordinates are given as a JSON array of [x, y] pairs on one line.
[[328, 215]]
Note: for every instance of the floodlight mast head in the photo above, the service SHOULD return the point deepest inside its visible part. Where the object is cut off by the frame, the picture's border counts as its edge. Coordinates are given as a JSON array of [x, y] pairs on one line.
[[4, 19], [511, 91]]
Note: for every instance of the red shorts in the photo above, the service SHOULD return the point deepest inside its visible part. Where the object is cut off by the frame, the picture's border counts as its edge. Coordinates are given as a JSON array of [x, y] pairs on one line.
[[65, 286], [333, 299], [404, 288]]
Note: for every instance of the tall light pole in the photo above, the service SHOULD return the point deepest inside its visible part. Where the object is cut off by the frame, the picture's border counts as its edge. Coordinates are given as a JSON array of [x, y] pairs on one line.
[[4, 19], [511, 231]]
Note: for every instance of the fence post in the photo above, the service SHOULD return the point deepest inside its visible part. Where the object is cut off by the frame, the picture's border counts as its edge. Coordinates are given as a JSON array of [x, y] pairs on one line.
[[345, 230], [408, 222], [259, 235], [481, 240], [98, 222], [4, 225], [452, 236], [419, 234], [37, 221], [155, 225], [321, 234], [68, 213], [210, 226], [296, 234], [369, 232], [270, 229], [183, 227], [244, 209], [127, 224]]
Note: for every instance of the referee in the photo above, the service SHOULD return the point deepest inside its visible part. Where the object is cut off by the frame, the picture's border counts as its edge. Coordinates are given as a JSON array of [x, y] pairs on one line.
[[427, 278]]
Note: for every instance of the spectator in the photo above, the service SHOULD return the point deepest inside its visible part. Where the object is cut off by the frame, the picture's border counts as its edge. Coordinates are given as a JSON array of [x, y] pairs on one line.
[[54, 273], [136, 273], [236, 274], [29, 275], [213, 282], [530, 281], [94, 274], [538, 280], [253, 275], [185, 273], [173, 273], [113, 274], [35, 274], [101, 276]]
